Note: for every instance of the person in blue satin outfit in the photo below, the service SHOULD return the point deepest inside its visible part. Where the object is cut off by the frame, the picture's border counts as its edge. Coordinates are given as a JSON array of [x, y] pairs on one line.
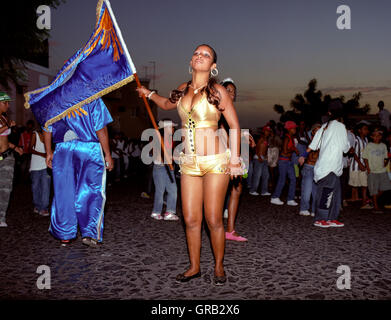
[[79, 163]]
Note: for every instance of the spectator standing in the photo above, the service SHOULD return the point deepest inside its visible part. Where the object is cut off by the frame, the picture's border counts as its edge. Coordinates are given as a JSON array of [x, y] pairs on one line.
[[308, 186], [347, 160], [40, 179], [376, 158], [164, 180], [358, 178], [7, 162], [286, 167], [384, 115], [332, 142], [260, 164], [24, 143], [273, 153]]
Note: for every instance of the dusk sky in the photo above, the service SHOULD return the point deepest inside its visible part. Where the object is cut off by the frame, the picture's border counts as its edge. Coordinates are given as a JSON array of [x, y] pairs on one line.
[[270, 48]]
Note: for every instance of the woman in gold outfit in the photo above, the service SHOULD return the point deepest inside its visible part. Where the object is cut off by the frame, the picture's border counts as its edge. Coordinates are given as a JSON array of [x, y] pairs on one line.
[[205, 166]]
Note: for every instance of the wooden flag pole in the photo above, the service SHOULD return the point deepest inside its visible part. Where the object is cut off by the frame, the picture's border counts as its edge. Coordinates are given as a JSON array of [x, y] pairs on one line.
[[137, 80], [153, 122]]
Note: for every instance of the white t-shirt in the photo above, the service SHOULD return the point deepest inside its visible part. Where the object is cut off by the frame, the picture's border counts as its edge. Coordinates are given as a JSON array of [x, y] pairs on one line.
[[37, 162], [119, 145], [332, 144], [384, 117], [352, 138]]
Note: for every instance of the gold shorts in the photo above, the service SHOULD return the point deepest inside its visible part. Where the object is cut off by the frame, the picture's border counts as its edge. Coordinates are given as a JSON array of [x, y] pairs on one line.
[[196, 165]]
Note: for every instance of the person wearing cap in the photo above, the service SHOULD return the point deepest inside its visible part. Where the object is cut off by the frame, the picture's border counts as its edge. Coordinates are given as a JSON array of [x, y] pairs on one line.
[[308, 186], [332, 142], [164, 177], [286, 167], [7, 161], [260, 164]]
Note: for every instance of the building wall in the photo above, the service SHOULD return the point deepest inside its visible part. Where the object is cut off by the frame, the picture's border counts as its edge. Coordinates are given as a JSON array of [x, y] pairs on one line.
[[36, 77], [128, 110]]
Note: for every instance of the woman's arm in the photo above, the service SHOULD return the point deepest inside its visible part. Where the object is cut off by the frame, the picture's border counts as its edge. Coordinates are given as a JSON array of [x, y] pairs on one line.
[[15, 147], [161, 102], [230, 115]]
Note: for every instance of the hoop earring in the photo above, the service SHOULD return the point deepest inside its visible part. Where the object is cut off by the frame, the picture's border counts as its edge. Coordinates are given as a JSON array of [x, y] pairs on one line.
[[190, 70], [216, 72]]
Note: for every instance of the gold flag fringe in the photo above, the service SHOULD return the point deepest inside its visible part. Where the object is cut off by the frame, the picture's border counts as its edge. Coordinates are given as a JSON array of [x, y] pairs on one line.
[[88, 100]]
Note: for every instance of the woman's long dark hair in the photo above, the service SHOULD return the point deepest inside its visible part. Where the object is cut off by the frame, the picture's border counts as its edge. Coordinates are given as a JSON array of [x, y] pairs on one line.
[[212, 94]]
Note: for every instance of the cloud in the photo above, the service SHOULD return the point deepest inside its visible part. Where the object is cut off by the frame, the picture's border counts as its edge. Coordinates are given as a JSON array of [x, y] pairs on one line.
[[351, 90], [255, 95]]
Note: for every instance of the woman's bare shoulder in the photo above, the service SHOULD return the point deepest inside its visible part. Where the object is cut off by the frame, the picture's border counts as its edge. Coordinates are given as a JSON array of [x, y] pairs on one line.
[[182, 86]]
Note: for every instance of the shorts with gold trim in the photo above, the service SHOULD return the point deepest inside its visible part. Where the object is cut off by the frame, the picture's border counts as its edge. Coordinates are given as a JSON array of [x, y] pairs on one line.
[[196, 165]]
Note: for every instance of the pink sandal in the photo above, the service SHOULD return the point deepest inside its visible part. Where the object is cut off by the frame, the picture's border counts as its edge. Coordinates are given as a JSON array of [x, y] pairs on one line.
[[231, 236]]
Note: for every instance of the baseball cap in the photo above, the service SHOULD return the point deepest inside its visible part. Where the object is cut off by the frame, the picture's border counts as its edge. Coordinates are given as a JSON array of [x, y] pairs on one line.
[[4, 96], [266, 128], [316, 125], [290, 125]]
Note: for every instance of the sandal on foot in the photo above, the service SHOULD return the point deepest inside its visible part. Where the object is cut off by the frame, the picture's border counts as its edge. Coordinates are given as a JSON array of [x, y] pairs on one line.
[[182, 278], [88, 241], [231, 236], [219, 280]]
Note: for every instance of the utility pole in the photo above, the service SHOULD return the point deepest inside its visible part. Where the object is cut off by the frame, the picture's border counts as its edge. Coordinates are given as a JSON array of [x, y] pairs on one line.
[[153, 74], [145, 72]]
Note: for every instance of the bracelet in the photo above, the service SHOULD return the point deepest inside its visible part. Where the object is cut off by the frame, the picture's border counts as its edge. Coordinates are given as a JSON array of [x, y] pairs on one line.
[[150, 95]]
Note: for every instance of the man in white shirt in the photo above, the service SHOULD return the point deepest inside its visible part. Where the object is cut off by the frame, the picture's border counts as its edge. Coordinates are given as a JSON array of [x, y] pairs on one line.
[[384, 115], [332, 142]]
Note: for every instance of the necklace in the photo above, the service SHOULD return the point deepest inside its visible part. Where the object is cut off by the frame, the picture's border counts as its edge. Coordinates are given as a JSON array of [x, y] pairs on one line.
[[198, 89]]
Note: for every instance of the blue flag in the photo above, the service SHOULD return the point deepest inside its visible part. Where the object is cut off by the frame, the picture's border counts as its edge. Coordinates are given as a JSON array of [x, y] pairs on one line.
[[102, 66]]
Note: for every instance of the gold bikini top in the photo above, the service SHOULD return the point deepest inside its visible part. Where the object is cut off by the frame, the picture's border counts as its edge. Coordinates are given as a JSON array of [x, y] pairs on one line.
[[202, 115]]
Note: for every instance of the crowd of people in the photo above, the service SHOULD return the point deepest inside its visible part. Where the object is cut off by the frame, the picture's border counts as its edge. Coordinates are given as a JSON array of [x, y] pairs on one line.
[[279, 160], [362, 165], [274, 158], [327, 164]]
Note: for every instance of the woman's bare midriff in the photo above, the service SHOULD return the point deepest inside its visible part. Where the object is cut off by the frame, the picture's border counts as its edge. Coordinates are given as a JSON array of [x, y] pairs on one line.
[[3, 143], [207, 142]]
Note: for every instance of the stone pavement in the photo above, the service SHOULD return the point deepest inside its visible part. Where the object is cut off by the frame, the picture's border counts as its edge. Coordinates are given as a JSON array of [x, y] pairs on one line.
[[285, 257]]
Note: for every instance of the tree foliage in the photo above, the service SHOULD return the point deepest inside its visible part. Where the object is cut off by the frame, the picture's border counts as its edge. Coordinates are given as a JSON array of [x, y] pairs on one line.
[[312, 105], [21, 39]]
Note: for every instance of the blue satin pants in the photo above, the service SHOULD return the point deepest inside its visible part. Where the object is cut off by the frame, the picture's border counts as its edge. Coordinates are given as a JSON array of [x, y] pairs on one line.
[[79, 178]]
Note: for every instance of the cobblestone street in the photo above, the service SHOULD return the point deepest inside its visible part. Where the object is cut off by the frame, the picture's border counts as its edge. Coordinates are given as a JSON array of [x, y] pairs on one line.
[[286, 257]]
